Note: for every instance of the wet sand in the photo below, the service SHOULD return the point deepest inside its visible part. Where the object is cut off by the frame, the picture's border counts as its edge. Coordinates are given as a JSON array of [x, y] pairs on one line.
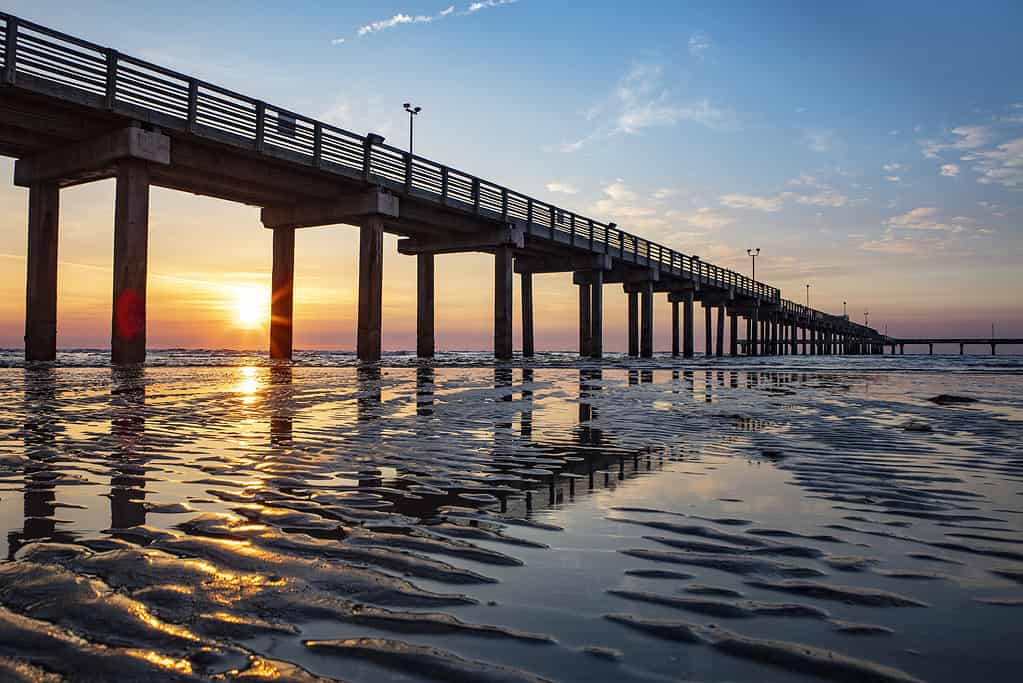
[[510, 524]]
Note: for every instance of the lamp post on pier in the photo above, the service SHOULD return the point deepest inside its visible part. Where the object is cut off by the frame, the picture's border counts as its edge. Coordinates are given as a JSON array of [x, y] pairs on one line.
[[412, 113], [808, 295], [753, 254]]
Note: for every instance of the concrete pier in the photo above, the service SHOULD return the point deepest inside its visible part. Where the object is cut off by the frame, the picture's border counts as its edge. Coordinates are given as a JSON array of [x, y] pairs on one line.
[[425, 340], [719, 348], [503, 263], [733, 337], [282, 294], [687, 325], [66, 126], [647, 321], [674, 328], [585, 326], [41, 286], [371, 284], [754, 324], [526, 285], [633, 324], [131, 244], [708, 326], [597, 314]]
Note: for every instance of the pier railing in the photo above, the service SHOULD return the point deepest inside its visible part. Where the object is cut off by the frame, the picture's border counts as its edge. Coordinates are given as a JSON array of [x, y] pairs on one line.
[[42, 60]]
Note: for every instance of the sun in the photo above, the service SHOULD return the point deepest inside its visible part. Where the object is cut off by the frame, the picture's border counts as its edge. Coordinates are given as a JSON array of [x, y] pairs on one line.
[[251, 307]]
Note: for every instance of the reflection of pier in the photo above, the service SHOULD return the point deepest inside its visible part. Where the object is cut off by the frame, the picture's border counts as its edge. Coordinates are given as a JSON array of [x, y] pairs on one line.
[[127, 425], [76, 112], [41, 471]]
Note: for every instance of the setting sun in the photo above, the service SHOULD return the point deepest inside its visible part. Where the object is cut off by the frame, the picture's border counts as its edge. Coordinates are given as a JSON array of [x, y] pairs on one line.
[[251, 307]]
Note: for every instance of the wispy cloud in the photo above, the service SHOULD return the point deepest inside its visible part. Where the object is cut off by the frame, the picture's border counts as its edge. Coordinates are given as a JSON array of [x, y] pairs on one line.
[[403, 18], [819, 194], [922, 218], [699, 44], [1002, 165], [921, 232], [950, 170], [563, 188], [396, 20], [825, 197], [901, 246], [487, 4], [640, 100], [819, 140], [708, 219], [963, 138], [753, 202], [645, 103]]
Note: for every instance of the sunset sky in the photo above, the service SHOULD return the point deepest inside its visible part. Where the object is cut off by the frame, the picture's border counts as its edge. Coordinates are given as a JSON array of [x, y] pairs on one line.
[[873, 150]]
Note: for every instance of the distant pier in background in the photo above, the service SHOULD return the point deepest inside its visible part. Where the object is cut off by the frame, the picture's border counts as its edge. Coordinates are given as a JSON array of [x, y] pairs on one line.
[[991, 342]]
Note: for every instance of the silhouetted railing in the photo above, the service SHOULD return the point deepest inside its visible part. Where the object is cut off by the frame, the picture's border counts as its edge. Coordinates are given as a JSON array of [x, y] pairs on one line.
[[43, 60]]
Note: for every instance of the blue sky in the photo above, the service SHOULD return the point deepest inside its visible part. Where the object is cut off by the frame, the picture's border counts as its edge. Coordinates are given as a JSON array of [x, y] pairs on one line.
[[874, 149]]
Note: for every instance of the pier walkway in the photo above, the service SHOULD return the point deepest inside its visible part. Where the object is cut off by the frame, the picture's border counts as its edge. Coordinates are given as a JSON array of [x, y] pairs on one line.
[[73, 112]]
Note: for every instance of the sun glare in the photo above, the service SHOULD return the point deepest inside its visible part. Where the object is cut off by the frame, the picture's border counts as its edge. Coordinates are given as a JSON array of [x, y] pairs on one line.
[[251, 307]]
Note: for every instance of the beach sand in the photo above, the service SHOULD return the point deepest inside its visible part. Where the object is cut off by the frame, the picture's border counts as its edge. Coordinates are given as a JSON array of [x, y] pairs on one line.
[[510, 524]]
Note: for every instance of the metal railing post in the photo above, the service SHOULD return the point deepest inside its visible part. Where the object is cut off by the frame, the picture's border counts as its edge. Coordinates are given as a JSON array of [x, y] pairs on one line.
[[317, 144], [260, 125], [193, 104], [111, 83], [11, 50]]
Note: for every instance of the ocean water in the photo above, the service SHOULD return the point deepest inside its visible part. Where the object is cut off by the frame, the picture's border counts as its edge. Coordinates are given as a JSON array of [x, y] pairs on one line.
[[213, 516]]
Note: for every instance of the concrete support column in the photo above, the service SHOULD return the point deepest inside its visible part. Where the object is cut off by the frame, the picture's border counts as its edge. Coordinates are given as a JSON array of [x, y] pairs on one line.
[[503, 303], [425, 344], [806, 349], [282, 294], [585, 327], [719, 348], [754, 324], [709, 340], [733, 340], [687, 325], [634, 323], [646, 345], [674, 329], [371, 284], [528, 345], [597, 314], [131, 244], [41, 284]]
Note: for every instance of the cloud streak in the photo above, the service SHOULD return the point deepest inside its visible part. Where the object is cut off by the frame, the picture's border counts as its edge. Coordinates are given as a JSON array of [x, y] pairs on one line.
[[640, 100], [403, 18]]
